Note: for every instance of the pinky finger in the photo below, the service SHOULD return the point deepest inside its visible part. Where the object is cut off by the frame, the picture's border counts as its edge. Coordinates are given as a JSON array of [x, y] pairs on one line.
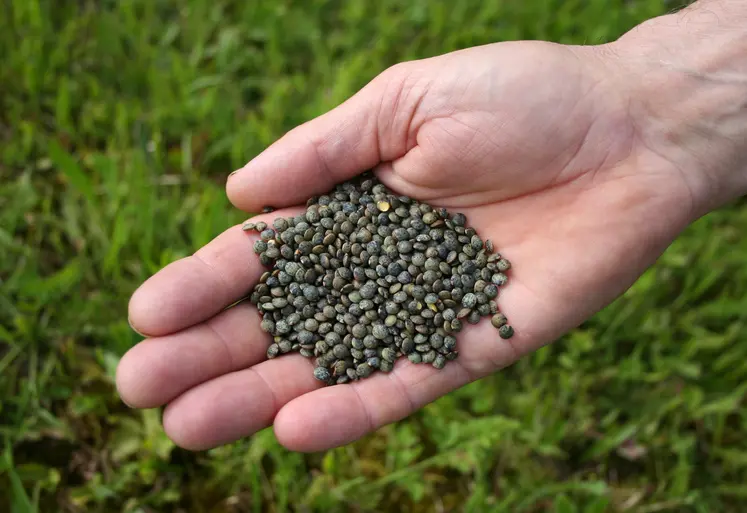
[[334, 416]]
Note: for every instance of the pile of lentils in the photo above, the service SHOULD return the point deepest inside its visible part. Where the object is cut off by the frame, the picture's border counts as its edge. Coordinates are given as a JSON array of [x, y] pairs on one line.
[[365, 276]]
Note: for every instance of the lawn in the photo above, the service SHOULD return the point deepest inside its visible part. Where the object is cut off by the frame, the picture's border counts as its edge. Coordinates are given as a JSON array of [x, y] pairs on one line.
[[119, 122]]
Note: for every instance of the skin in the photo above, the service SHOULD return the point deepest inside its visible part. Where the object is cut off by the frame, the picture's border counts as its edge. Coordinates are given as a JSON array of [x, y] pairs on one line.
[[568, 158]]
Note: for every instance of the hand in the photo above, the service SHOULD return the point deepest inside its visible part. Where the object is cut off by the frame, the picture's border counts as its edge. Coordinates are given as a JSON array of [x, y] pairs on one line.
[[534, 142]]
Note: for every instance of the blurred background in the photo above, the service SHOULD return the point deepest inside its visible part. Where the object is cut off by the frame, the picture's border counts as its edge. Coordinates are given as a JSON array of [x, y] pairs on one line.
[[119, 122]]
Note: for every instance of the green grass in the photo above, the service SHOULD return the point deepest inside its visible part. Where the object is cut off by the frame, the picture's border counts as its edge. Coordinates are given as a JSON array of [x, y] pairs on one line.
[[119, 121]]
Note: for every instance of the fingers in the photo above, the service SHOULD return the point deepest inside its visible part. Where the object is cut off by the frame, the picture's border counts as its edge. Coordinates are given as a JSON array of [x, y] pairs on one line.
[[159, 369], [327, 150], [213, 401], [237, 404], [307, 416], [197, 287]]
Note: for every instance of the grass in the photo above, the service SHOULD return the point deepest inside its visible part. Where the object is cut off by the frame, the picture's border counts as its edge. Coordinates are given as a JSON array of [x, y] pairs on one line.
[[119, 121]]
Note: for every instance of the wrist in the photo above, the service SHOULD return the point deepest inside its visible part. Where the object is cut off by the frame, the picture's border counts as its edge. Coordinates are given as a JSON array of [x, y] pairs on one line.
[[687, 79]]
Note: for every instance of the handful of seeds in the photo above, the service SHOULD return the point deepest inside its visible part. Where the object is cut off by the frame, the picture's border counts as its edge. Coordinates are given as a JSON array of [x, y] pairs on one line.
[[365, 276]]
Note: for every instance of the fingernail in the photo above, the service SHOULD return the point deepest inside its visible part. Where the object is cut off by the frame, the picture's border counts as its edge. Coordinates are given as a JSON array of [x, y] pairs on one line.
[[234, 172], [126, 403], [132, 327]]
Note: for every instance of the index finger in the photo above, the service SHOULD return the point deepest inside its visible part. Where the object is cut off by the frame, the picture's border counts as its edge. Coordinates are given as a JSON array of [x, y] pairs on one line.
[[353, 137], [197, 287]]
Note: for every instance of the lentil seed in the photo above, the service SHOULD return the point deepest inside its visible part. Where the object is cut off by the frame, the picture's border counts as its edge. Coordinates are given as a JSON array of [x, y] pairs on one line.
[[498, 320], [506, 331]]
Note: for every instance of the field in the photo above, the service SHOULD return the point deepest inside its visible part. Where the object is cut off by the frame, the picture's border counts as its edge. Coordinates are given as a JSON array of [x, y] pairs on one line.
[[119, 121]]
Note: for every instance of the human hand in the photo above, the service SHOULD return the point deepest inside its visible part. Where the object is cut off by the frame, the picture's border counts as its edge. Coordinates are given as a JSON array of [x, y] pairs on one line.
[[535, 142]]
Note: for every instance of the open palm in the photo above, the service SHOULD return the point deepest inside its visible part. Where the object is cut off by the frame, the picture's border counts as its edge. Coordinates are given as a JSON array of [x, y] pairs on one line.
[[536, 143]]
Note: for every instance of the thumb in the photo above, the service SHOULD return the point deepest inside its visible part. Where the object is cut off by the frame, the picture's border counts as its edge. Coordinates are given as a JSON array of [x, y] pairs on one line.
[[313, 157]]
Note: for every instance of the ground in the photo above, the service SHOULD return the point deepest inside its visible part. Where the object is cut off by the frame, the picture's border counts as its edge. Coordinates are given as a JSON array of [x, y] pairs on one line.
[[119, 121]]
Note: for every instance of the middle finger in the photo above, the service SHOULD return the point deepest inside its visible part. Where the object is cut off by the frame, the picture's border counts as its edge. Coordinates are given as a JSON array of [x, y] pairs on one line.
[[159, 369]]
